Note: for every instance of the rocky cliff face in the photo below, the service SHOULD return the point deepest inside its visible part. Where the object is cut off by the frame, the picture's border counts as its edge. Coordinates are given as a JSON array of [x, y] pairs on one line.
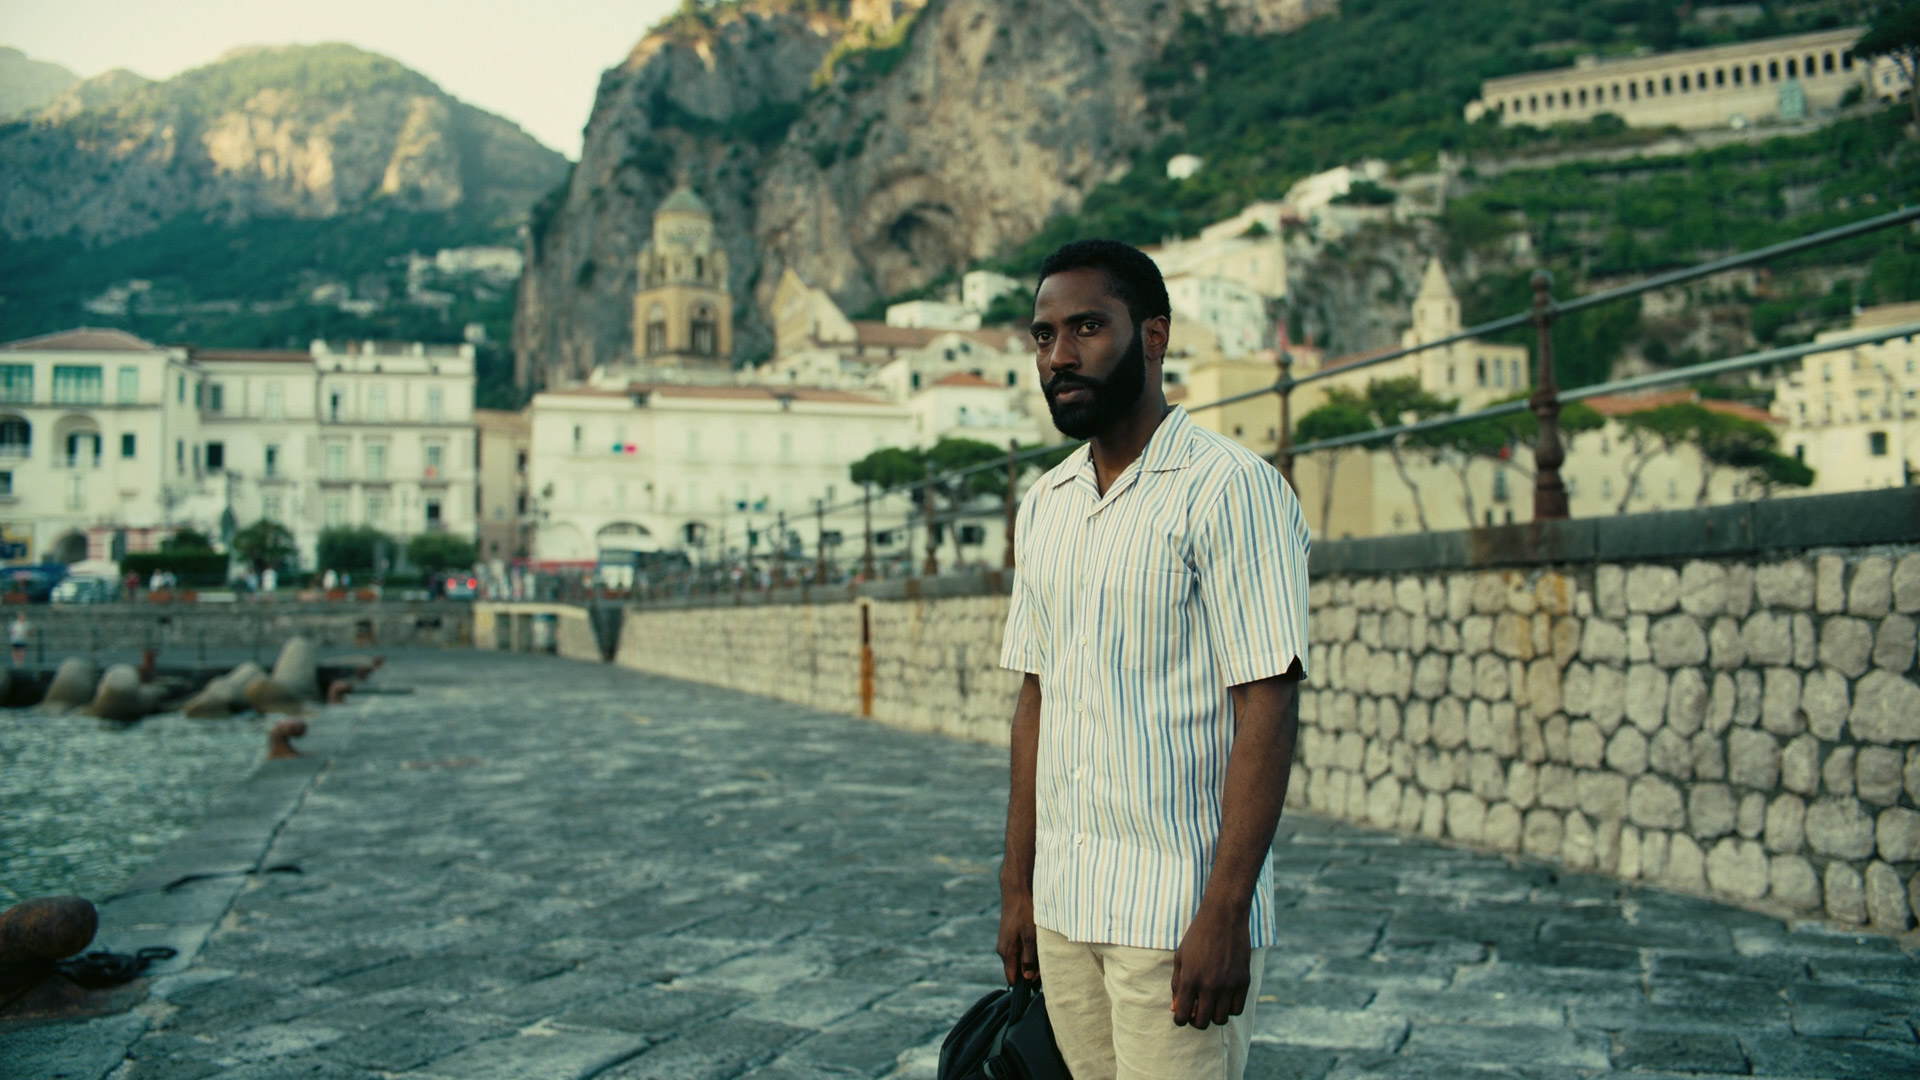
[[27, 84], [872, 150], [302, 131]]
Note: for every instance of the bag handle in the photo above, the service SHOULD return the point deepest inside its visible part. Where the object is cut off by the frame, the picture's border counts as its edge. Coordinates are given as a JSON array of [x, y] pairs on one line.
[[1021, 997]]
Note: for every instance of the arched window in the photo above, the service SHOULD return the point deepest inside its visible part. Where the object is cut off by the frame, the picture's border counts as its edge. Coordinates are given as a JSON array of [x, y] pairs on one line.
[[702, 335], [1792, 67], [1737, 72], [1481, 366], [1666, 84], [656, 331], [1683, 82], [16, 437], [1719, 76], [1773, 71]]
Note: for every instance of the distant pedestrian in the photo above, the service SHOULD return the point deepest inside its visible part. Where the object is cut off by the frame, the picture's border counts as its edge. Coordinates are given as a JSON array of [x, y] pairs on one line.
[[1160, 617], [19, 631], [330, 580], [269, 581]]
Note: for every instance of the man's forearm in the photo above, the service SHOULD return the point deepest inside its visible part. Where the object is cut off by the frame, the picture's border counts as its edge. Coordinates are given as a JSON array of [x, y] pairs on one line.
[[1266, 719], [1017, 870]]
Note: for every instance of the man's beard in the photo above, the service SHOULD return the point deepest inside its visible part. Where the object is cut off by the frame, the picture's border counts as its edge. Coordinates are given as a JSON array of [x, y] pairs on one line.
[[1107, 399]]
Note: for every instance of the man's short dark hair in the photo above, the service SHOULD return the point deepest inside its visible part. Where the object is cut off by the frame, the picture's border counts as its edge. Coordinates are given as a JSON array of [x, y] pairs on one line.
[[1132, 277]]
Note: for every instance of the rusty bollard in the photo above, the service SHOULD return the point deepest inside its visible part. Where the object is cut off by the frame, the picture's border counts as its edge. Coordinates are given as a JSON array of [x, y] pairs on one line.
[[280, 739], [337, 691], [149, 665], [36, 933]]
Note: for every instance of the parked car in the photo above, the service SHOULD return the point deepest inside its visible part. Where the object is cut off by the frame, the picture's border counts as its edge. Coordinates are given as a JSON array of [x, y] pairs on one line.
[[35, 582], [460, 587], [86, 590]]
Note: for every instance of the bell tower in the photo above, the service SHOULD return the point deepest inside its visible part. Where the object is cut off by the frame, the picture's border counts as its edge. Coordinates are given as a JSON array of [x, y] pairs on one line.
[[682, 312]]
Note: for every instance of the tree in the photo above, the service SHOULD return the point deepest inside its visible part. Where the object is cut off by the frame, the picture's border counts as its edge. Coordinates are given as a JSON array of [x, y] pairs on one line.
[[1653, 432], [437, 552], [1402, 400], [264, 543], [1343, 413], [1746, 446], [185, 540], [1895, 34], [351, 548]]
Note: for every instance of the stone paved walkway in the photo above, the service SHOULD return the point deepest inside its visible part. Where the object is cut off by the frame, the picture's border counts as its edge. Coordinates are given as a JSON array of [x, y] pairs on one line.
[[539, 869]]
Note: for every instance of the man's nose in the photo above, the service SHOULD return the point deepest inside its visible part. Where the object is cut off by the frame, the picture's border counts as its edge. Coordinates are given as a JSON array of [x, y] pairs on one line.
[[1063, 355]]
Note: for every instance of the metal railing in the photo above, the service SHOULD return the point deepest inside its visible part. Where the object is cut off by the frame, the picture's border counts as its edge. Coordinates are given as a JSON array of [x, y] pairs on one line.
[[776, 566]]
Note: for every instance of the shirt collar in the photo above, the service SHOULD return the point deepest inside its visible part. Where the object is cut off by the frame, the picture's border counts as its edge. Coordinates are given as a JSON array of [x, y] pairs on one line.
[[1169, 448]]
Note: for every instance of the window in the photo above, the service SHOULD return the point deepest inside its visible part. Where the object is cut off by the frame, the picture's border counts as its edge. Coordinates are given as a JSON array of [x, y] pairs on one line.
[[434, 520], [335, 510], [216, 398], [377, 403], [127, 445], [1738, 71], [216, 456], [16, 437], [180, 389], [1673, 489], [179, 455], [336, 461], [199, 395], [129, 385], [1606, 487], [1499, 373], [1516, 371], [1500, 485], [435, 403], [6, 484], [702, 332], [786, 446], [1683, 83], [196, 459], [76, 384], [1800, 452], [333, 405], [916, 380], [1481, 365], [376, 461], [1013, 378], [1773, 71], [270, 507], [436, 457], [273, 460], [576, 438], [1792, 68], [376, 507], [83, 449], [276, 403], [1877, 443], [16, 383], [656, 330]]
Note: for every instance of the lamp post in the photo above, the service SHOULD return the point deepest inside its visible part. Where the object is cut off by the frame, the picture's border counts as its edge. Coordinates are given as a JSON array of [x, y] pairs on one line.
[[1283, 456], [820, 542]]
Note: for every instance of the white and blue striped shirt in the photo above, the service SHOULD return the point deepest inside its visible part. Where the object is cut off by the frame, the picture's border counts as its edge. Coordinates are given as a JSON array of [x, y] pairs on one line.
[[1138, 610]]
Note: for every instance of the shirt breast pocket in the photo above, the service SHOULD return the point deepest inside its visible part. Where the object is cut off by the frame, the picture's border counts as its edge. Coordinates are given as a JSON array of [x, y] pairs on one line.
[[1145, 621]]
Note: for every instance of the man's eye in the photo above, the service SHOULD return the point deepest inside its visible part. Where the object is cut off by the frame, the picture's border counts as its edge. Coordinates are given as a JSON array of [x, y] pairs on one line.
[[1089, 327]]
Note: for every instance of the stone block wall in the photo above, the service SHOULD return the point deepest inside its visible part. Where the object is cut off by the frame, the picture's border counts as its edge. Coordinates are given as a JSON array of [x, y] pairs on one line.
[[61, 630], [936, 662], [1748, 730]]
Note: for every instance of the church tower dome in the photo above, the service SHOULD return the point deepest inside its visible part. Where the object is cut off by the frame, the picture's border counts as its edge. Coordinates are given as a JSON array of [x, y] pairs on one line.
[[683, 310]]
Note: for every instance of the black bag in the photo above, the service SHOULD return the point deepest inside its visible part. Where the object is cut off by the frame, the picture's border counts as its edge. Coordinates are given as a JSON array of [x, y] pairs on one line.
[[1004, 1036]]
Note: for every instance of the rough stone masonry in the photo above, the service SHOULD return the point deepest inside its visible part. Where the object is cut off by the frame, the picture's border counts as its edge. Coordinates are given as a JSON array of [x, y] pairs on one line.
[[1742, 729]]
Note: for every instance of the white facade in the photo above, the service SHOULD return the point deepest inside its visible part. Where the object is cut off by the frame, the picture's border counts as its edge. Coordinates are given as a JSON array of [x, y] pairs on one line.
[[980, 288], [1235, 313], [1854, 416], [99, 432], [932, 315], [666, 467]]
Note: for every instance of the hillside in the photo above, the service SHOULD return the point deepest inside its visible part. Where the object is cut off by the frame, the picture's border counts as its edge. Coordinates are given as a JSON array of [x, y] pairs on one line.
[[881, 158], [230, 194], [27, 85]]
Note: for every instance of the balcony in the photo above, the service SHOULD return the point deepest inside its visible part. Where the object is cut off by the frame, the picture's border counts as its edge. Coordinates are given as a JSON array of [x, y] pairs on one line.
[[15, 452], [76, 461]]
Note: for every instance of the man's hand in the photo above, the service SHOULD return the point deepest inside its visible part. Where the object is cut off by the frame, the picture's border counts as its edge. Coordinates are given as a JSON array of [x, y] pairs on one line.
[[1016, 946], [1212, 968]]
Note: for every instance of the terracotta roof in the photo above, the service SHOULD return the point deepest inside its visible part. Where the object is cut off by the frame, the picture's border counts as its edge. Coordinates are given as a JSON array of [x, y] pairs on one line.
[[252, 356], [878, 335], [967, 378], [1622, 404], [84, 339], [758, 393], [1354, 358]]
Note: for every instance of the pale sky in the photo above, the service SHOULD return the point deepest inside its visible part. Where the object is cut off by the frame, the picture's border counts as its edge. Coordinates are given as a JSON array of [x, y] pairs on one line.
[[535, 63]]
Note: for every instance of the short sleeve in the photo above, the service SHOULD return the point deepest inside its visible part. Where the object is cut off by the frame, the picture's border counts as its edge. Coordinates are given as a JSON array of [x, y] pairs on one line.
[[1022, 647], [1251, 555]]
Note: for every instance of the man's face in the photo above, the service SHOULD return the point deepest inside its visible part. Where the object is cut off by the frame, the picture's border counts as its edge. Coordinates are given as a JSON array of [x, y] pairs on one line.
[[1092, 359]]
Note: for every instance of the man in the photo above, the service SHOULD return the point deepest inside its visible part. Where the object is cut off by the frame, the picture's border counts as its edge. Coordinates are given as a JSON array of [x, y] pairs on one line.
[[1159, 614]]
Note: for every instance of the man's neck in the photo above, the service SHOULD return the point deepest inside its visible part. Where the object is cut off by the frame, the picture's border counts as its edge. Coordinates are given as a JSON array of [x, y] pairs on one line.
[[1117, 447]]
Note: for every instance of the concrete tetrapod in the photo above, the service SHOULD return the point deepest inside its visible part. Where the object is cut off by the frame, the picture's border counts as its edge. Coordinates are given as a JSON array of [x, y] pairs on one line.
[[297, 671], [122, 696], [73, 684], [224, 695], [268, 696]]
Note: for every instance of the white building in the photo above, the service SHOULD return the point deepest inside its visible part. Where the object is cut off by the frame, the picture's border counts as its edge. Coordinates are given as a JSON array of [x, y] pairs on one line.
[[1854, 416], [980, 288], [1236, 314], [670, 467], [99, 444], [114, 442], [932, 315]]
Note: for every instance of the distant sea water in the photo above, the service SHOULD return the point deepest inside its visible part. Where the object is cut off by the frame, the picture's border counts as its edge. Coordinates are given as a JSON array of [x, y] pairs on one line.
[[84, 802]]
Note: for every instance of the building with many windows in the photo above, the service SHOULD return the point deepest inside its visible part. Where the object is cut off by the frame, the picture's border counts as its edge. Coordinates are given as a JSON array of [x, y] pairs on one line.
[[108, 443], [1786, 78], [1854, 416], [100, 444]]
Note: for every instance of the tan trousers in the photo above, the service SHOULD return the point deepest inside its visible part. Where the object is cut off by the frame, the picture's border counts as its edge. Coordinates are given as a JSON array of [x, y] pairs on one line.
[[1109, 1008]]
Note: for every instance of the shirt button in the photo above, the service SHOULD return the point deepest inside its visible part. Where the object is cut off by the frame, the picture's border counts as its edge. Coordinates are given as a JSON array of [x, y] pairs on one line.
[[1083, 640], [1080, 839], [1081, 707]]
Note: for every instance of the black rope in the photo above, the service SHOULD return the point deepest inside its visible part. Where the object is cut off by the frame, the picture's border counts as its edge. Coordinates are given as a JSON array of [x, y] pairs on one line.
[[102, 968]]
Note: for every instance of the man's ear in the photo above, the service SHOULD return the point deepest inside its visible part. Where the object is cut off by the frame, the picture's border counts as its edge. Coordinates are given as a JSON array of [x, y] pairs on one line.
[[1153, 337]]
